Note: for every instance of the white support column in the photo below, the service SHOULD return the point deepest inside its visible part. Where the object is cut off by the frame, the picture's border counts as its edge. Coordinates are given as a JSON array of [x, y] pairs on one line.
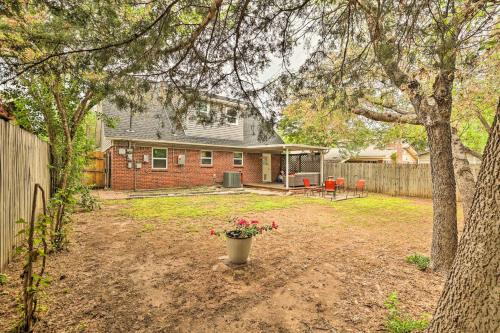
[[321, 168], [287, 168]]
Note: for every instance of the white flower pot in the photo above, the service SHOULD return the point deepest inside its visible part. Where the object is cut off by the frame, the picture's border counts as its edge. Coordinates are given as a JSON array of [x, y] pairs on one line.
[[238, 249]]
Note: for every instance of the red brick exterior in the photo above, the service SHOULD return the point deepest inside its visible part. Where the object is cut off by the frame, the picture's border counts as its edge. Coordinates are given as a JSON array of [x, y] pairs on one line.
[[191, 174]]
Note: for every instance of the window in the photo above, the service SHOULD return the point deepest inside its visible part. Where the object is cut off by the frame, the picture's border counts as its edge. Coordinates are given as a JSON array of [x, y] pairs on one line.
[[202, 109], [232, 116], [238, 158], [206, 157], [159, 160]]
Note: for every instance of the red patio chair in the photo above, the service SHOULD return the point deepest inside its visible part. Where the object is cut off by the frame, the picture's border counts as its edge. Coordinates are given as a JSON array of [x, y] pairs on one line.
[[359, 189], [308, 189], [330, 187], [340, 183]]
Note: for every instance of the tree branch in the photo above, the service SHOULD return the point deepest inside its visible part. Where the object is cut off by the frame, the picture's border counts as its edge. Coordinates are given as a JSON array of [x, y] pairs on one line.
[[61, 110], [186, 43], [81, 111], [388, 117], [483, 121]]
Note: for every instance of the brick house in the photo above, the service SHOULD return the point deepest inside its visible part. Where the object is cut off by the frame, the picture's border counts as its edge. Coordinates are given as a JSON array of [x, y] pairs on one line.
[[147, 151]]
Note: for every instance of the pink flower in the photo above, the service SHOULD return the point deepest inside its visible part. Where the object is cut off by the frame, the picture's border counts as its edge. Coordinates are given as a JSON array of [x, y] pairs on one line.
[[212, 232], [255, 222], [274, 225]]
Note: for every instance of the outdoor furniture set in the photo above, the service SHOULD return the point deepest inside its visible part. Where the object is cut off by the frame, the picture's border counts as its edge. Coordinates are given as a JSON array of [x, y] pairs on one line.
[[331, 186]]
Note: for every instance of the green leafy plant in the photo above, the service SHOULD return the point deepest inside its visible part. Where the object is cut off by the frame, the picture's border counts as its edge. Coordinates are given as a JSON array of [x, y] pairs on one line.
[[3, 279], [422, 262], [400, 322], [34, 275], [241, 228], [87, 201]]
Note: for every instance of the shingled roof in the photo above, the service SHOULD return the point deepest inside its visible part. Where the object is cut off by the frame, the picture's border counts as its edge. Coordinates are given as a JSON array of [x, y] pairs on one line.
[[155, 124]]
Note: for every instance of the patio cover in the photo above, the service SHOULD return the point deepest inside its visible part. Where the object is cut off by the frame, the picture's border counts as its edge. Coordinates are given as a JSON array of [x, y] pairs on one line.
[[291, 149]]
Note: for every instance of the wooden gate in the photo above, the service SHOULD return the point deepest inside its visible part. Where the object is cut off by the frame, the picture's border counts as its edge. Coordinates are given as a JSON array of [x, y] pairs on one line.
[[94, 172]]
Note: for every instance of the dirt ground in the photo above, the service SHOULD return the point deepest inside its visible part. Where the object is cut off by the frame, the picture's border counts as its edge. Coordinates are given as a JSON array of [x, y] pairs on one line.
[[319, 272]]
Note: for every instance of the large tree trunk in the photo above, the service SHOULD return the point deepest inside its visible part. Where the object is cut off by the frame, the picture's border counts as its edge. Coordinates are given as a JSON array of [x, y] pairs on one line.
[[470, 300], [444, 234], [463, 174]]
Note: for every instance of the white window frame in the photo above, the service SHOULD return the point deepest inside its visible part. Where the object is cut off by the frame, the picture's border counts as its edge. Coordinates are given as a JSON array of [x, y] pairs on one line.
[[242, 158], [159, 158], [211, 157], [203, 113], [236, 117]]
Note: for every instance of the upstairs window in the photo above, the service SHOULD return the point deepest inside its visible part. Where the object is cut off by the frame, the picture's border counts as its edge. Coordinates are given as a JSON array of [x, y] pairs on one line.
[[206, 157], [232, 116], [159, 159], [238, 159], [202, 109]]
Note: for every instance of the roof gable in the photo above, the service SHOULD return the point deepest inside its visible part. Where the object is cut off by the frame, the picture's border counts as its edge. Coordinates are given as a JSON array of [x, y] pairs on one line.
[[156, 123]]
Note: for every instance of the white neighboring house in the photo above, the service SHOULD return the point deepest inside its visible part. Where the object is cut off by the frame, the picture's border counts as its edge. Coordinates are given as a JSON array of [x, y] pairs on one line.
[[425, 158], [399, 153]]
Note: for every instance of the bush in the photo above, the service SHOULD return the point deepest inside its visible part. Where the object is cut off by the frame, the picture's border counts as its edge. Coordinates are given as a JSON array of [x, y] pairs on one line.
[[422, 262], [3, 279], [87, 201], [399, 322]]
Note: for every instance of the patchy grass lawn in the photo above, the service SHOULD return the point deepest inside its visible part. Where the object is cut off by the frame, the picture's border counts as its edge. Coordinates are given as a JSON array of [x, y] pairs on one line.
[[224, 207], [207, 207], [149, 265]]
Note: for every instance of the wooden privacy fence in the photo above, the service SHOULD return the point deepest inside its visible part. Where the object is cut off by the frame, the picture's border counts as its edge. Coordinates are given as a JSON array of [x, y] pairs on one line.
[[401, 179], [24, 161], [94, 170]]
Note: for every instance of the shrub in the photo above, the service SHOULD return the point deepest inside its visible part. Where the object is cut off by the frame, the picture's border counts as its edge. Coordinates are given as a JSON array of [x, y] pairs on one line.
[[400, 322], [87, 201], [422, 262], [3, 279]]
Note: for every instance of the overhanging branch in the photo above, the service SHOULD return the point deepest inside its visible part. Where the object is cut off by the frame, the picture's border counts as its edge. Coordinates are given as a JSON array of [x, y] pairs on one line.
[[388, 117]]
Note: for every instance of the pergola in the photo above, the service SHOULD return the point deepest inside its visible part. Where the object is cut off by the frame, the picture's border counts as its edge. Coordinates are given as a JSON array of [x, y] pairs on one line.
[[291, 149]]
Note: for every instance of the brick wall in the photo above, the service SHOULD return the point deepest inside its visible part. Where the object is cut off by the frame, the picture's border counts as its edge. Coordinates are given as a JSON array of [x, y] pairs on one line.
[[191, 174]]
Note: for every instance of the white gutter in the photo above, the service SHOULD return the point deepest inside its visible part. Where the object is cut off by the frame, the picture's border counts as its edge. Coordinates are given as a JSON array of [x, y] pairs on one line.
[[177, 143], [290, 146], [273, 146]]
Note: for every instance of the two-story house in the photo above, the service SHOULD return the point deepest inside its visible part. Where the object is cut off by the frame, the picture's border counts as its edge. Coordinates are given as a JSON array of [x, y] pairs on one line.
[[148, 150]]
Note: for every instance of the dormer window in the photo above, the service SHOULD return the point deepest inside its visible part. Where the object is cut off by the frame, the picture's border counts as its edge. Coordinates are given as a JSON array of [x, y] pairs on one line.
[[232, 116], [202, 109]]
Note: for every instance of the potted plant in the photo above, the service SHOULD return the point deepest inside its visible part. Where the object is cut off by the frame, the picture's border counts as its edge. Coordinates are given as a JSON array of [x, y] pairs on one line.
[[239, 238]]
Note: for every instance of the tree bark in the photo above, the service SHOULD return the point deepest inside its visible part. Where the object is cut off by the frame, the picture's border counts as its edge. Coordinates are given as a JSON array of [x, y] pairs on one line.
[[470, 301], [444, 234], [463, 173]]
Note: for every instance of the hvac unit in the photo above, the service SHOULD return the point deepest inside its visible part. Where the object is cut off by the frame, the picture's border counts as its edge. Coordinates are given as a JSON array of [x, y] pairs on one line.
[[232, 179]]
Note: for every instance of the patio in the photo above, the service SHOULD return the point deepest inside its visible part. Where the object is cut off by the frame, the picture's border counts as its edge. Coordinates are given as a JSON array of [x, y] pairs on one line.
[[297, 161]]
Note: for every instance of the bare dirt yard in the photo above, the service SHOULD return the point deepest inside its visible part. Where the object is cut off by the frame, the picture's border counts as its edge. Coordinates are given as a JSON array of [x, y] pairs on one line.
[[149, 265]]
